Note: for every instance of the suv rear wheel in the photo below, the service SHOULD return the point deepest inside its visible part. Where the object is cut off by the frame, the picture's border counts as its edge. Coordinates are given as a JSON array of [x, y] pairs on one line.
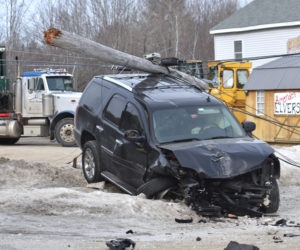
[[91, 162]]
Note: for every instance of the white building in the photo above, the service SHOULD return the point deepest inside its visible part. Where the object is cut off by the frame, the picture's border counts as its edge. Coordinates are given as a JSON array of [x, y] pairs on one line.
[[261, 28]]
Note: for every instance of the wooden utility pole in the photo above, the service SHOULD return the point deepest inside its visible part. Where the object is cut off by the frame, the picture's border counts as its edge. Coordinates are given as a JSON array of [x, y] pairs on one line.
[[81, 45]]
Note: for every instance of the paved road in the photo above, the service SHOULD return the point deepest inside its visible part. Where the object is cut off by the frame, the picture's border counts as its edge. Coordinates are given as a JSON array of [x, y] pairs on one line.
[[34, 149]]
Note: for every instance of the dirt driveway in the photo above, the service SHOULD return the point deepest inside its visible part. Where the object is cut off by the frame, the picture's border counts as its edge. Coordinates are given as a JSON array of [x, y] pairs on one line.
[[46, 204], [34, 149]]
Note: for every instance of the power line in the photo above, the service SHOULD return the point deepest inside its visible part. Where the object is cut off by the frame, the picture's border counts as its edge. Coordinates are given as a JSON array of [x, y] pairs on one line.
[[246, 105], [56, 63], [253, 58], [222, 60], [282, 125], [50, 54]]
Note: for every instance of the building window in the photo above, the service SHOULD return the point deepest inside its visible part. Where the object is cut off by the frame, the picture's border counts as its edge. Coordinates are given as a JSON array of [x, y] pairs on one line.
[[260, 102], [238, 49]]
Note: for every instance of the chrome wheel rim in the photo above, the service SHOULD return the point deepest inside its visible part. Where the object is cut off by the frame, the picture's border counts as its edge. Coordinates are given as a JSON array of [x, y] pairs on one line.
[[89, 163], [66, 133]]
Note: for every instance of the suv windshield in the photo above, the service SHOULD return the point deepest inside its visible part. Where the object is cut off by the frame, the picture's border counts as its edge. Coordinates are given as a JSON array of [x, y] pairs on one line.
[[60, 83], [194, 123]]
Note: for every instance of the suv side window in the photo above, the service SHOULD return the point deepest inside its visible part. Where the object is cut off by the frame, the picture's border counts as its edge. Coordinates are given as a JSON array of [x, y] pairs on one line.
[[130, 119], [115, 109], [92, 97]]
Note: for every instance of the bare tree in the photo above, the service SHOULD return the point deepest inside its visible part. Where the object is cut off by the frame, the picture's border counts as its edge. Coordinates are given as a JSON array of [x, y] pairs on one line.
[[15, 14], [172, 27], [163, 21], [207, 14], [113, 22]]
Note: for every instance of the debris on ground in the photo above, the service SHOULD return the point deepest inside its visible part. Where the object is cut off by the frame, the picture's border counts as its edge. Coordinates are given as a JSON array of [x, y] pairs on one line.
[[190, 220], [281, 222], [231, 216], [273, 232], [198, 239], [233, 245], [120, 244], [285, 223], [277, 239], [97, 185], [265, 221], [291, 235], [129, 231]]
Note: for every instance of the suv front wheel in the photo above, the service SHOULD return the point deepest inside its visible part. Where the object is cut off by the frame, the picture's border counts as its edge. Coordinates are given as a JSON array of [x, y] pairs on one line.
[[273, 197], [91, 162]]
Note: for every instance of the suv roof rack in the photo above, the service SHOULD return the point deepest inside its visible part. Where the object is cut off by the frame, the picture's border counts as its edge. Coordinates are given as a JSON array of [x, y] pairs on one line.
[[128, 82]]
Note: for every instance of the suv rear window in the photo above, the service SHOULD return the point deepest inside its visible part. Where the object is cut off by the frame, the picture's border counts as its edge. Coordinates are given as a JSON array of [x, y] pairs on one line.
[[114, 109], [92, 96]]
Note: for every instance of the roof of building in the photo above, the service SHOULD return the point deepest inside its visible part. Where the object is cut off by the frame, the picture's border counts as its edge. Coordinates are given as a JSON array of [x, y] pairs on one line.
[[261, 14], [283, 73]]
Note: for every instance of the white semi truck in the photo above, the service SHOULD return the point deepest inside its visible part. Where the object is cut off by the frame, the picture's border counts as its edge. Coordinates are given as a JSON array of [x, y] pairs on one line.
[[42, 104]]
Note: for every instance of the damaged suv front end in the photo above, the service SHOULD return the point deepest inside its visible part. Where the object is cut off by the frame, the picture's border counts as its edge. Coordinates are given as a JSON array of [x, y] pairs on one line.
[[164, 137], [218, 167]]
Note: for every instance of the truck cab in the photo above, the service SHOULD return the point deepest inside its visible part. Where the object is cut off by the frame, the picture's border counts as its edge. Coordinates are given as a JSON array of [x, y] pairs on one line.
[[37, 84], [228, 80], [44, 105]]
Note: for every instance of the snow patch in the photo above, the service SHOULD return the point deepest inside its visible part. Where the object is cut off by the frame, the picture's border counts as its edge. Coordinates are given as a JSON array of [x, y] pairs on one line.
[[290, 175]]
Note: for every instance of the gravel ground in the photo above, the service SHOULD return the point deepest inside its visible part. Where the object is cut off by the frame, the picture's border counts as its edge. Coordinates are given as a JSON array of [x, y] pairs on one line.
[[50, 206]]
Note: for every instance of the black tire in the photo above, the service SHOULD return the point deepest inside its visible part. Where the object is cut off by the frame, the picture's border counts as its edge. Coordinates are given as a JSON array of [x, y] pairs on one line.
[[64, 132], [8, 141], [274, 198], [156, 186], [91, 162]]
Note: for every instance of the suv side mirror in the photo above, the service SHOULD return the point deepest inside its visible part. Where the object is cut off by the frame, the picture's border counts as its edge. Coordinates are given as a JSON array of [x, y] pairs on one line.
[[134, 136], [249, 126]]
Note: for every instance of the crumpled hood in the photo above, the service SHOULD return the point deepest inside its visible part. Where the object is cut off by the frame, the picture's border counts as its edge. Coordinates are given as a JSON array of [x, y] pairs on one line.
[[221, 158]]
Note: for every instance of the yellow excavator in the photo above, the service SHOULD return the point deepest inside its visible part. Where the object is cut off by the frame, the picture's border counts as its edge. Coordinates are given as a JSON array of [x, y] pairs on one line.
[[226, 80]]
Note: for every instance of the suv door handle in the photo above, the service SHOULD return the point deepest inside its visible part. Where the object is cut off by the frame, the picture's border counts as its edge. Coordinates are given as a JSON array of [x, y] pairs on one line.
[[99, 128], [119, 142]]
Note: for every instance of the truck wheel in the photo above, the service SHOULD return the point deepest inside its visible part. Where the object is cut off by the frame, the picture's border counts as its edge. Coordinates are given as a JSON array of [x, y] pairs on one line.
[[91, 162], [64, 132], [8, 141], [273, 198]]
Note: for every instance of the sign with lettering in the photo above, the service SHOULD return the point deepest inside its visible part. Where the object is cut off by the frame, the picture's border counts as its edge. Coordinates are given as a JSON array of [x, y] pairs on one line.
[[287, 103]]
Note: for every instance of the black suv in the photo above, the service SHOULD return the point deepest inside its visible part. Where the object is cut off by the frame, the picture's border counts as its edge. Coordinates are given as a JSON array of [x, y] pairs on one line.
[[164, 137]]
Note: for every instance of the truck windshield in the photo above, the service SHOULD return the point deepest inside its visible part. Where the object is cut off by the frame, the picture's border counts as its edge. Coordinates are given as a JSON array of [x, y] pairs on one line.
[[60, 83], [195, 123]]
